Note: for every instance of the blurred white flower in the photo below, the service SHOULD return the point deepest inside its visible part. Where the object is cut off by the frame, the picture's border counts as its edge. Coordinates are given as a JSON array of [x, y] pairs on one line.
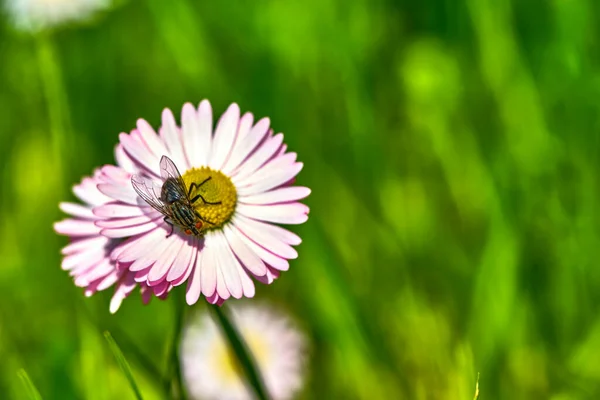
[[35, 15], [210, 370]]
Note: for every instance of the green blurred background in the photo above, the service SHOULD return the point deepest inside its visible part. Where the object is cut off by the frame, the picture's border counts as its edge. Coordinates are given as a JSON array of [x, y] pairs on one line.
[[452, 149]]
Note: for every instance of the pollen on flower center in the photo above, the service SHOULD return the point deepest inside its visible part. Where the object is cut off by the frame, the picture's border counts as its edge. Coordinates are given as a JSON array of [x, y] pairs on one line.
[[215, 195]]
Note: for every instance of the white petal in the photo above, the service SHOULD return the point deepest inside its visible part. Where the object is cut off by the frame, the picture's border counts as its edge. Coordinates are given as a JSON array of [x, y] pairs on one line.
[[164, 262], [185, 259], [209, 270], [257, 159], [77, 210], [139, 152], [151, 139], [125, 194], [84, 244], [119, 210], [281, 195], [172, 138], [130, 231], [248, 258], [246, 143], [268, 257], [76, 227], [265, 238], [196, 129], [269, 181], [224, 138], [194, 287], [229, 266], [287, 213], [124, 161], [235, 156], [123, 222]]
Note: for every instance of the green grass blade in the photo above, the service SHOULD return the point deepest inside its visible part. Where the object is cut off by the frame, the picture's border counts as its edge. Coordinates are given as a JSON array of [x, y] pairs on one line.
[[242, 353], [32, 392], [123, 364]]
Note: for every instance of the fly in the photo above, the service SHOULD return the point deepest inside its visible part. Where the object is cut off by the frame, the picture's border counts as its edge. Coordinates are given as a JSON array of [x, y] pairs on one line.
[[174, 202]]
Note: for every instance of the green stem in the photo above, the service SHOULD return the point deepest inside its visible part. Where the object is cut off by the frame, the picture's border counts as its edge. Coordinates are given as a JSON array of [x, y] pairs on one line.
[[240, 349], [174, 378], [55, 95]]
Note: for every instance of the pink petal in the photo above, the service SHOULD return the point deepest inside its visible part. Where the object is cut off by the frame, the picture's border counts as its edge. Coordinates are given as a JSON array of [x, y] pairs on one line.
[[243, 129], [138, 247], [86, 243], [229, 266], [273, 174], [222, 290], [131, 230], [224, 138], [247, 284], [172, 138], [114, 175], [121, 292], [265, 238], [276, 173], [83, 259], [87, 192], [76, 227], [159, 270], [268, 257], [287, 213], [142, 267], [209, 270], [118, 210], [161, 289], [188, 271], [124, 161], [150, 138], [249, 259], [185, 259], [196, 130], [257, 159], [124, 222], [77, 210], [121, 193], [140, 153], [108, 281], [281, 195], [194, 286], [246, 142]]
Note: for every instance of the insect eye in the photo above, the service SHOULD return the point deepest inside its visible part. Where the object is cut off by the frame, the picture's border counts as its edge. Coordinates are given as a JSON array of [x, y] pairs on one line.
[[188, 232], [198, 224]]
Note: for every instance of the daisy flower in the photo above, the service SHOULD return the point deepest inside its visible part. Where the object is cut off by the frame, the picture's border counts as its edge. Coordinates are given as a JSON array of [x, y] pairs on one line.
[[210, 370], [33, 15], [87, 256], [197, 205]]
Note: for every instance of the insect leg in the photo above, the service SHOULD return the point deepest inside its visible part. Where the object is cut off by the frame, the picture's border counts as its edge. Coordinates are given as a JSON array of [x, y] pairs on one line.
[[167, 220], [194, 184], [199, 196]]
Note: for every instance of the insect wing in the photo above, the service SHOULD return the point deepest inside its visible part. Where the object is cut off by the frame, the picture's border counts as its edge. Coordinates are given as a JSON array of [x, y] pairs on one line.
[[168, 169], [149, 191]]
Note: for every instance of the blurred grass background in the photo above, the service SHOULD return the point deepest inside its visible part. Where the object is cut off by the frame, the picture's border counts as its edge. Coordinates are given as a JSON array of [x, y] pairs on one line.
[[452, 149]]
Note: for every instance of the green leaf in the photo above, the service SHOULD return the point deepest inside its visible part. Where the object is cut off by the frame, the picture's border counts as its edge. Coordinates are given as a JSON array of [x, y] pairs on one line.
[[242, 353], [123, 364], [32, 392]]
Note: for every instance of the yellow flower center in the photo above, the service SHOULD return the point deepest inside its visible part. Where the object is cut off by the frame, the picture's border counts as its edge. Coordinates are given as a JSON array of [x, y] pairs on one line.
[[214, 194], [228, 363]]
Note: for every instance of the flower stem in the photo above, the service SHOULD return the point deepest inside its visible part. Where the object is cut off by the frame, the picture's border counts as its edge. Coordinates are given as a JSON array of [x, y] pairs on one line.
[[241, 351], [174, 379]]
